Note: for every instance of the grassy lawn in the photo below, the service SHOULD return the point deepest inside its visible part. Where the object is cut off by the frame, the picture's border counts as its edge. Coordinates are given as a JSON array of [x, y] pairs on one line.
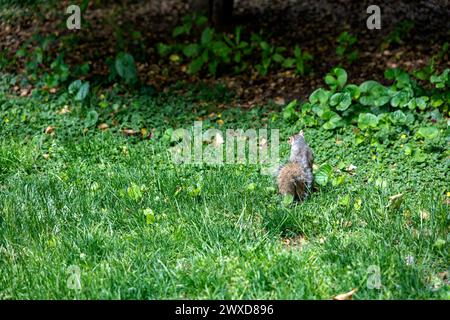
[[117, 211]]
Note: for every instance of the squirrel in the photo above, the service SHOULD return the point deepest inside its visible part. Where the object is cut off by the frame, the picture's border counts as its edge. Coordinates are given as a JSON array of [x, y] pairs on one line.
[[296, 176]]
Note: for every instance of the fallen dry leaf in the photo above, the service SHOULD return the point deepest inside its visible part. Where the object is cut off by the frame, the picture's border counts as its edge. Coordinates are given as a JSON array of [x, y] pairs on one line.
[[174, 58], [129, 132], [424, 215], [218, 140], [24, 92], [395, 201], [296, 242], [279, 101], [103, 126], [64, 110], [49, 130], [444, 276], [351, 168], [345, 296]]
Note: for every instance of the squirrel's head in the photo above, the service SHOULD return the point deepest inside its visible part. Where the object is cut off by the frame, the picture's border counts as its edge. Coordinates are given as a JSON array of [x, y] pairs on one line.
[[299, 137]]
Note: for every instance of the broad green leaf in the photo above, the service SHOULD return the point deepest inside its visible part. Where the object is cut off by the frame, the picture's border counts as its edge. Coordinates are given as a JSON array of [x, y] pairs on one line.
[[191, 50], [207, 36], [220, 49], [180, 30], [163, 49], [278, 58], [264, 45], [83, 91], [74, 86], [333, 123], [125, 67], [212, 67], [289, 113], [196, 65], [323, 175], [428, 132], [91, 119]]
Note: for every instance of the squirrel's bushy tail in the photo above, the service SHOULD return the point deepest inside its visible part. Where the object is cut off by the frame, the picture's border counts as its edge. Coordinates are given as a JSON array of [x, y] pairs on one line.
[[291, 180]]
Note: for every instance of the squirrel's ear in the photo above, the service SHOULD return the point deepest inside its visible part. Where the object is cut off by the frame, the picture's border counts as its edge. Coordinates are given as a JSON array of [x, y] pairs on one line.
[[301, 132]]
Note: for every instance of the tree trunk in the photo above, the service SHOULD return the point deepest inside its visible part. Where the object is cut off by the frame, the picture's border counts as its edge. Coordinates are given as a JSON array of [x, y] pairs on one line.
[[218, 11], [201, 6], [222, 11]]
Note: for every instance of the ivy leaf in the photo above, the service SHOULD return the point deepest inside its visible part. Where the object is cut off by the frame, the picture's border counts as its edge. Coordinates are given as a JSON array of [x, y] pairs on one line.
[[336, 78], [367, 120], [323, 111], [333, 123], [421, 102], [353, 90], [401, 99], [397, 117], [373, 94], [320, 96], [368, 86], [341, 100]]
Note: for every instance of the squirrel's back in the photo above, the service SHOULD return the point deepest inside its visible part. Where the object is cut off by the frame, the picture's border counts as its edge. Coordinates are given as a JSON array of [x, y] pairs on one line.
[[296, 177], [292, 180]]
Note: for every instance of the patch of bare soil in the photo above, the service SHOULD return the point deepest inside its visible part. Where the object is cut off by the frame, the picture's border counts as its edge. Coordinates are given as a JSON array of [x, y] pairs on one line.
[[137, 26]]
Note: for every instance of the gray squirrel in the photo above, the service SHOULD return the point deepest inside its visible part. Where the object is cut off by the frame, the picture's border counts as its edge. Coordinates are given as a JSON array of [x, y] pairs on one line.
[[296, 176]]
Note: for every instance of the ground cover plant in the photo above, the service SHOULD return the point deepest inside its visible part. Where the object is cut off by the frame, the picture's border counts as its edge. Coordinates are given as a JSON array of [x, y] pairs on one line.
[[92, 205]]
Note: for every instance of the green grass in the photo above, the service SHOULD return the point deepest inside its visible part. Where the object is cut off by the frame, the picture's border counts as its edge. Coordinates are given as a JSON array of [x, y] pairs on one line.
[[85, 206]]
